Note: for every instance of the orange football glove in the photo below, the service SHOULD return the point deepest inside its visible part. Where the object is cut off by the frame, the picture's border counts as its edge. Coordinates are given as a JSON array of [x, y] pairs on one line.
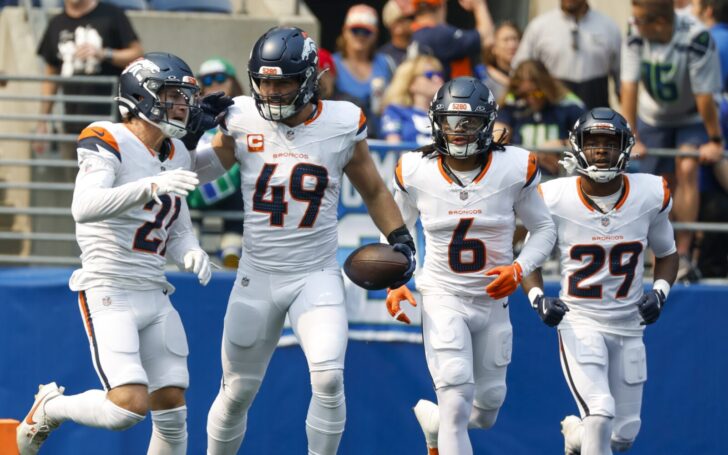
[[394, 296], [509, 277]]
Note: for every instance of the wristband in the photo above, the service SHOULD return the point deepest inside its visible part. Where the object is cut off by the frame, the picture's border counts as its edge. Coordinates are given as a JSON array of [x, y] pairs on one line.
[[662, 286], [108, 54], [533, 294]]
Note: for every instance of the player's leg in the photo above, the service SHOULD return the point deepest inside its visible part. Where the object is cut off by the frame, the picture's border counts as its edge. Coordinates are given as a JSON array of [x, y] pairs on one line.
[[252, 328], [112, 331], [318, 318], [492, 347], [164, 354], [585, 363], [627, 376], [449, 354]]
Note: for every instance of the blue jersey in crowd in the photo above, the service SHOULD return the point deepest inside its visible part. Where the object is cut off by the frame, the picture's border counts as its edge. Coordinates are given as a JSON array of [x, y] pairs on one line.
[[410, 123]]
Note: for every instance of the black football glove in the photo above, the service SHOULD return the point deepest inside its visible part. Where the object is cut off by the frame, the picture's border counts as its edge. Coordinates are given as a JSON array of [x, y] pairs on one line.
[[402, 241], [210, 113], [650, 306], [550, 309]]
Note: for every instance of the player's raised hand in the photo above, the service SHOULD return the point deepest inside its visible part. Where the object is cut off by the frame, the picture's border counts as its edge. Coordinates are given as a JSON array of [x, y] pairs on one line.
[[394, 296], [211, 112], [509, 277], [650, 306], [197, 262], [178, 181], [551, 310]]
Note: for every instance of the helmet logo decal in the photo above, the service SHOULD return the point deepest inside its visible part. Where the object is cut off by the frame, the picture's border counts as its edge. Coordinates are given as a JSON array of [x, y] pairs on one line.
[[139, 66], [271, 70], [309, 46], [189, 80], [459, 107]]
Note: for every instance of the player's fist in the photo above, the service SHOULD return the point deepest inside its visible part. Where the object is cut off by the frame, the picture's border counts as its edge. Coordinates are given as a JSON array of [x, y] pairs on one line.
[[551, 310], [197, 262], [509, 277], [650, 306], [394, 296], [178, 181], [402, 241]]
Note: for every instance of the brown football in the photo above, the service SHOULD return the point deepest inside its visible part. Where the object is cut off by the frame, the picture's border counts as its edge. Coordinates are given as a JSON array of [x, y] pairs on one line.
[[375, 266]]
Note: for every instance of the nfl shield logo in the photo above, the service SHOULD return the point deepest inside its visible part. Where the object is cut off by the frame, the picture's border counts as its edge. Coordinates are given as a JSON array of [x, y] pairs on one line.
[[106, 301], [245, 281], [290, 134], [463, 195], [605, 221]]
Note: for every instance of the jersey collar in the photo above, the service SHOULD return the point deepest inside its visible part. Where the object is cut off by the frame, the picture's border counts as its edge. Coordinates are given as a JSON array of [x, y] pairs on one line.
[[450, 176], [589, 204]]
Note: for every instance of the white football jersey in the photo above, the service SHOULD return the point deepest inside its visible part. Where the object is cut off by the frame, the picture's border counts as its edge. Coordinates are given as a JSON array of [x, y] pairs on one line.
[[127, 250], [468, 229], [602, 254], [290, 180]]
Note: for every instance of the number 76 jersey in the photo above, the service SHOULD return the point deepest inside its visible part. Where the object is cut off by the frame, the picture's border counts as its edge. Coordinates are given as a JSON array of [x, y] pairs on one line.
[[602, 254]]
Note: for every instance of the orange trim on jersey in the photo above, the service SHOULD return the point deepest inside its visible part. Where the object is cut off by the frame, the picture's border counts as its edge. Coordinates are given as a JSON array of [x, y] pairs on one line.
[[581, 195], [84, 312], [442, 170], [101, 134], [398, 174], [532, 167], [540, 190], [625, 193], [362, 119], [485, 168], [171, 150], [666, 194], [319, 109]]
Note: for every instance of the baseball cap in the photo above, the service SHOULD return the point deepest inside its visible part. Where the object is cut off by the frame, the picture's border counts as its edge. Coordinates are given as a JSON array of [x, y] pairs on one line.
[[363, 16], [216, 65], [416, 4]]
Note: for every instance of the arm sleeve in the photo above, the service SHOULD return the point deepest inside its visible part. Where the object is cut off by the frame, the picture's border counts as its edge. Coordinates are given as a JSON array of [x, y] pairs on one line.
[[206, 164], [181, 237], [704, 65], [630, 59], [94, 198], [532, 210], [660, 236]]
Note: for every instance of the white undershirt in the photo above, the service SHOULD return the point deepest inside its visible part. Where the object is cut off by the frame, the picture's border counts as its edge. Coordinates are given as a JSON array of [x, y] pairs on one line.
[[466, 177]]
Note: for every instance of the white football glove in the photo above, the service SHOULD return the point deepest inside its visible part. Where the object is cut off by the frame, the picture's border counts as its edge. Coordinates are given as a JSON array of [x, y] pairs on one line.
[[197, 262], [178, 181]]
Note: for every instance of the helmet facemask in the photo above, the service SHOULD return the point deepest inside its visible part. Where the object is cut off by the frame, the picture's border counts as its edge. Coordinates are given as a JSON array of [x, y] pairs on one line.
[[601, 153], [280, 106], [166, 113], [462, 135]]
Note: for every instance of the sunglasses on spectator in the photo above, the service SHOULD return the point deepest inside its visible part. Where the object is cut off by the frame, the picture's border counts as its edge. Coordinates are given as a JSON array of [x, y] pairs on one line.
[[646, 20], [361, 31], [431, 74], [537, 94], [208, 79]]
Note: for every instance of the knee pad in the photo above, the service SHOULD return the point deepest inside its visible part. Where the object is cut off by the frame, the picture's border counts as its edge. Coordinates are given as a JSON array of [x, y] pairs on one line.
[[327, 411], [239, 393], [117, 418], [171, 424], [625, 432], [328, 382], [490, 397]]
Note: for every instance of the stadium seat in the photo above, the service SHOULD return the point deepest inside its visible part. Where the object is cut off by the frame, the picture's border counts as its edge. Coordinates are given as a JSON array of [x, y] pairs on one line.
[[128, 4], [212, 6]]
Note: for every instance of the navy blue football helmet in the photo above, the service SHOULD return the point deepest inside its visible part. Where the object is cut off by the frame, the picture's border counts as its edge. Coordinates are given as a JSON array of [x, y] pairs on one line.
[[283, 53], [601, 121], [462, 114], [141, 83]]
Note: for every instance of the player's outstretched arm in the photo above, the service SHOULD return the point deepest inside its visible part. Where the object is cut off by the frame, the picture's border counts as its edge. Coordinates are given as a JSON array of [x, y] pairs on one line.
[[364, 176], [550, 309]]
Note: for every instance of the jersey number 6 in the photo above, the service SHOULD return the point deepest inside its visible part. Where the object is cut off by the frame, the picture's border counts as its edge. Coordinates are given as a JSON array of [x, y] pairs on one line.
[[460, 244], [277, 206]]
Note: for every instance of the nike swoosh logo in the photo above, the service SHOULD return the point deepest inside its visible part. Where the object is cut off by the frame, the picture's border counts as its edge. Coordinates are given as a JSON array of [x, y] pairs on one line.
[[29, 419], [505, 304], [100, 133]]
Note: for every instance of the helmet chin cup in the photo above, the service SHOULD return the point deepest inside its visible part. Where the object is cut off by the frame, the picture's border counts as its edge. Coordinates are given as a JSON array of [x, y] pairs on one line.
[[461, 152], [600, 175], [170, 128]]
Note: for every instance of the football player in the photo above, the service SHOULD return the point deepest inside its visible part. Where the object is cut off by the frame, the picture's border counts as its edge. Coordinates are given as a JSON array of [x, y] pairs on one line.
[[294, 150], [605, 220], [467, 190], [131, 216]]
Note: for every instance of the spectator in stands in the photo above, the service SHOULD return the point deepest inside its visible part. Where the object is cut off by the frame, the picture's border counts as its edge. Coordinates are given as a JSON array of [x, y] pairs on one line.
[[579, 46], [496, 68], [713, 258], [87, 38], [399, 26], [224, 194], [362, 74], [408, 98], [673, 58], [538, 111], [458, 50], [327, 75]]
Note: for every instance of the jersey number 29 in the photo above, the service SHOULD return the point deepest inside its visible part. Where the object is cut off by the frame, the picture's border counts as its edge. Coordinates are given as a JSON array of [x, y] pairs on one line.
[[597, 254]]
